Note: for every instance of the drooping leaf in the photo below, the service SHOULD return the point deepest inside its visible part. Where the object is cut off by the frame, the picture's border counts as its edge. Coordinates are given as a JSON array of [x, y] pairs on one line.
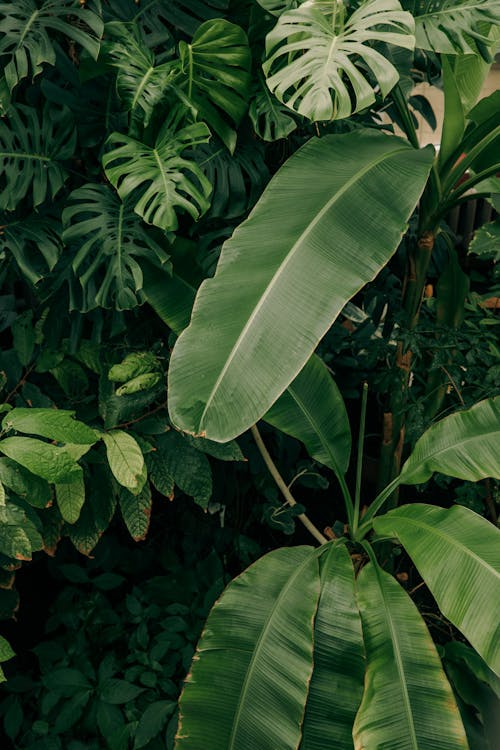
[[408, 702], [125, 459], [312, 410], [70, 498], [26, 40], [136, 511], [43, 459], [111, 242], [314, 55], [336, 685], [55, 424], [33, 148], [258, 640], [457, 553], [139, 82], [216, 73], [34, 243], [285, 281], [454, 26], [462, 445], [166, 182]]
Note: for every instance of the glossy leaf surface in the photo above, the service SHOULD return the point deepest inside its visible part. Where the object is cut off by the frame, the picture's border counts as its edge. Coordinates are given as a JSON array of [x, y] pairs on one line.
[[457, 553], [257, 647], [408, 703], [287, 272]]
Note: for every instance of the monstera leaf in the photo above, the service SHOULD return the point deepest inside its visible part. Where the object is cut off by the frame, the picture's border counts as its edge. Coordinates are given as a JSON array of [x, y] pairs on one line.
[[109, 238], [454, 26], [33, 147], [316, 61], [34, 243], [158, 178], [139, 83], [25, 40], [216, 76], [287, 272]]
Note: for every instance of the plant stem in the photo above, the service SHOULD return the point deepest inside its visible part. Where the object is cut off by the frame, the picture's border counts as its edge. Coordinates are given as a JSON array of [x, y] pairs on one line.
[[359, 467], [283, 486]]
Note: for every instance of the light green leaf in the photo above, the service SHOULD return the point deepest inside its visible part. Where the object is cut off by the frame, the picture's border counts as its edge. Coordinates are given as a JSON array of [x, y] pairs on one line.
[[55, 424], [125, 459], [258, 642], [70, 499], [339, 664], [462, 445], [216, 67], [316, 61], [457, 553], [408, 703], [43, 459], [164, 182], [312, 410], [136, 511], [285, 281], [454, 26]]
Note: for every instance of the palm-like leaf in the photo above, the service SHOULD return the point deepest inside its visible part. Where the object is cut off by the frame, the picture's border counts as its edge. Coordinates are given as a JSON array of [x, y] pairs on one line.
[[159, 179], [339, 663], [312, 410], [34, 243], [110, 240], [287, 272], [25, 39], [408, 703], [310, 54], [216, 75], [33, 147], [140, 83], [257, 646], [457, 553], [454, 26], [463, 445]]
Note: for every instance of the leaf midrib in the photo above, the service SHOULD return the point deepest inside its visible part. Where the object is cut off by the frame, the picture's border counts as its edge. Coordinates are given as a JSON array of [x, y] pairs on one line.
[[297, 244]]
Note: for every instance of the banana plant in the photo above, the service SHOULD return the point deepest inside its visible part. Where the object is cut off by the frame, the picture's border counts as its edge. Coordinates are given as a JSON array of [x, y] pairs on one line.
[[324, 648]]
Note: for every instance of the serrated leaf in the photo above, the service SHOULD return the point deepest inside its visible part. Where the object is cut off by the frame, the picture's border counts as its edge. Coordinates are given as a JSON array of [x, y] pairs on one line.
[[162, 180], [70, 498], [125, 459], [55, 424], [43, 459], [136, 511]]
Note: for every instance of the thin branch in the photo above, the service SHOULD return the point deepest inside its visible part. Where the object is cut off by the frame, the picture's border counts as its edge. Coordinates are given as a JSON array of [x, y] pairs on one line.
[[283, 486]]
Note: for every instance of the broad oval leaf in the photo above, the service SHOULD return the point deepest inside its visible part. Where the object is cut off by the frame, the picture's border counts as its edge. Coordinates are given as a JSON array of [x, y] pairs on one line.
[[312, 51], [162, 180], [408, 703], [43, 459], [257, 649], [336, 685], [55, 424], [457, 553], [326, 224], [125, 459], [463, 445], [454, 26], [312, 410], [110, 242]]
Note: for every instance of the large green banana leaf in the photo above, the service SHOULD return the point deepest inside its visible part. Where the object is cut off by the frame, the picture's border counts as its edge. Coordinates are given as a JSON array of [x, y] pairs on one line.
[[339, 663], [250, 675], [408, 703], [312, 410], [317, 65], [326, 224], [457, 553], [463, 445]]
